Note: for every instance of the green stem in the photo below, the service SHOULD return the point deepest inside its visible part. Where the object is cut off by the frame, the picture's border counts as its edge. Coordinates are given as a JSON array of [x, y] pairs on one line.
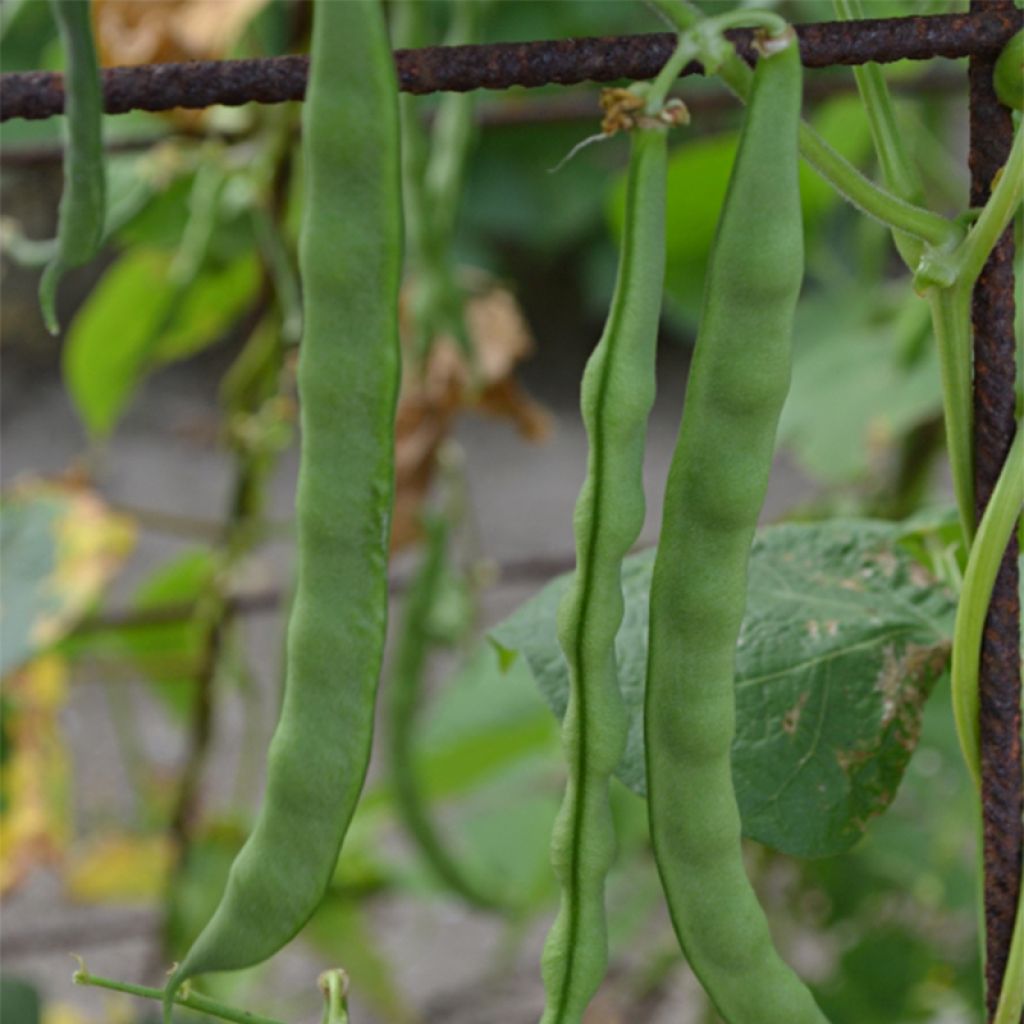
[[898, 172], [282, 271], [948, 278], [334, 985], [870, 198], [994, 533], [704, 41], [685, 51], [854, 186], [951, 312], [995, 216], [192, 1001]]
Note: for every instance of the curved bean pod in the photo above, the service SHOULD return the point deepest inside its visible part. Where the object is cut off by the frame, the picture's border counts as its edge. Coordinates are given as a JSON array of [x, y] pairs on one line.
[[997, 525], [350, 259], [617, 394], [737, 385], [406, 685], [84, 200]]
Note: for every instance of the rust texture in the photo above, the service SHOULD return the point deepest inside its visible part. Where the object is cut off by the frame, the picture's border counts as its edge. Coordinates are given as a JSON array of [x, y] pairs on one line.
[[197, 84], [991, 134]]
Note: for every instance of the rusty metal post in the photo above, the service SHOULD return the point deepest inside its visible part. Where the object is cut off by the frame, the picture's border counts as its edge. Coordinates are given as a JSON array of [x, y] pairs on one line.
[[991, 134]]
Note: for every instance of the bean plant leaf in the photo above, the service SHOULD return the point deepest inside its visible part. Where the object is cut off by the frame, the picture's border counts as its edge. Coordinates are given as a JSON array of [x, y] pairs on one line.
[[19, 1001], [138, 318], [844, 637], [856, 392]]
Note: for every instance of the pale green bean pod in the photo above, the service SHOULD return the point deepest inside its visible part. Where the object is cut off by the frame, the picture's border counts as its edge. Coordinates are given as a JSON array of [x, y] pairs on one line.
[[618, 391], [737, 385], [350, 259]]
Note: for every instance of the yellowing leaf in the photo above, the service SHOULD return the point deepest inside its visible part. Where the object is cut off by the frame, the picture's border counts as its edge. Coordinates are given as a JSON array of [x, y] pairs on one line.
[[34, 820], [60, 545], [119, 868], [92, 543]]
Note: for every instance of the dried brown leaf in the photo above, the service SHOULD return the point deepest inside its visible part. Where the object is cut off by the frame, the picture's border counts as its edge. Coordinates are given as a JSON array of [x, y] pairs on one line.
[[435, 395]]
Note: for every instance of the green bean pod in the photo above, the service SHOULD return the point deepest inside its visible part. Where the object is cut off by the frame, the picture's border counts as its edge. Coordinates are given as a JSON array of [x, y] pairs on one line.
[[617, 394], [406, 686], [83, 203], [350, 259], [738, 382]]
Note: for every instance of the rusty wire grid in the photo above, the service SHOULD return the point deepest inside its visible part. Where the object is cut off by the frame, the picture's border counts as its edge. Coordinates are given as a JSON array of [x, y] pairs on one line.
[[197, 84], [979, 34]]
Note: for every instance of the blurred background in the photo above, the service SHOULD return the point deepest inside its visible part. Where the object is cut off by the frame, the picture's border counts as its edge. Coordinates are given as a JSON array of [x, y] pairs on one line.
[[148, 466]]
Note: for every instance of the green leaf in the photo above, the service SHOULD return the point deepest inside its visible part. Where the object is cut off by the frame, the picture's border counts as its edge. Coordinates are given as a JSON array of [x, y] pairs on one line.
[[160, 222], [209, 306], [168, 652], [112, 336], [19, 1001], [881, 978], [138, 316], [484, 723], [844, 637], [852, 396], [27, 29]]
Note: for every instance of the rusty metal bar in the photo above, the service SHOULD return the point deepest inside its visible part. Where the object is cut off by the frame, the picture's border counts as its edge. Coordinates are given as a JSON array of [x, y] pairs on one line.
[[707, 109], [991, 135], [198, 84]]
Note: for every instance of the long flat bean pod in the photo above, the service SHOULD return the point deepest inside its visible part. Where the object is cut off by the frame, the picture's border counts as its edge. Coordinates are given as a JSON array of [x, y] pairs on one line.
[[83, 203], [719, 473], [617, 394], [350, 257]]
